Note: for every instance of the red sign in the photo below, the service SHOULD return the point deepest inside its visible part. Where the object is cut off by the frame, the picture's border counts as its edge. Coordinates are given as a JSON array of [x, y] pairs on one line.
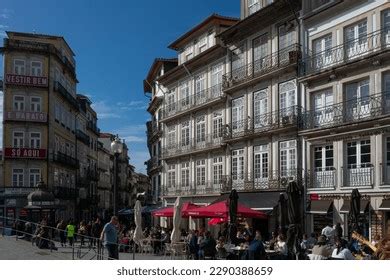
[[22, 80], [25, 153], [25, 116], [314, 196]]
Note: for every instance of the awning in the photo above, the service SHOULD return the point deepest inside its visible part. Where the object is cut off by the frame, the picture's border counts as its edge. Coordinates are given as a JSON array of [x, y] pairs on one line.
[[364, 204], [263, 201], [320, 206], [385, 206]]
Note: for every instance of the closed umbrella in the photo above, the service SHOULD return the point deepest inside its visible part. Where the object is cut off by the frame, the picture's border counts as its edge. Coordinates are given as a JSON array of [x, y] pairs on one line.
[[282, 213], [294, 213], [354, 212], [138, 223], [175, 236], [233, 204]]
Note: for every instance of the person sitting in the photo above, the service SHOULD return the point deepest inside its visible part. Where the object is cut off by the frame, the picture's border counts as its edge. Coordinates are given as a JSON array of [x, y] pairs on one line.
[[311, 241], [341, 251], [207, 247], [281, 247], [329, 232], [304, 242], [256, 249], [273, 240], [193, 245], [221, 248], [321, 251]]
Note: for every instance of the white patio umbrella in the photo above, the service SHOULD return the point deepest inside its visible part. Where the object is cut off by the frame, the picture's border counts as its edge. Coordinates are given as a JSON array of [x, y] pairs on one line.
[[175, 236], [138, 235]]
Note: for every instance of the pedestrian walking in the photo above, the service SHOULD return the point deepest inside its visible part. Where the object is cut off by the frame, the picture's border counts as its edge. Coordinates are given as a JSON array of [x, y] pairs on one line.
[[96, 231], [109, 237], [70, 230], [61, 227]]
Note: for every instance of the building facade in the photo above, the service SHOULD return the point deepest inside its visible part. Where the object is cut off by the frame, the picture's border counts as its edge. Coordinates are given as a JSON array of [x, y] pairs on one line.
[[346, 83]]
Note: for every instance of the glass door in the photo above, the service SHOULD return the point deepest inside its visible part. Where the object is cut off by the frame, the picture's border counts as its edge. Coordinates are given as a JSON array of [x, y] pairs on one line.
[[200, 89], [287, 100], [238, 115], [324, 173], [356, 40], [357, 100], [261, 163], [238, 63], [387, 161], [260, 105], [386, 93], [238, 168], [323, 108], [322, 52], [260, 53], [359, 163], [288, 159]]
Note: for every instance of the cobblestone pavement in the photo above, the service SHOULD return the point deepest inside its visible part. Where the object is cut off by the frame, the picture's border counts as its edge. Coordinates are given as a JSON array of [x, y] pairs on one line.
[[12, 249]]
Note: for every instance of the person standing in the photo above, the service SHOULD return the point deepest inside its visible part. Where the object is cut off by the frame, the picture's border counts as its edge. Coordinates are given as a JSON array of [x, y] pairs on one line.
[[70, 230], [109, 237], [96, 230], [61, 231]]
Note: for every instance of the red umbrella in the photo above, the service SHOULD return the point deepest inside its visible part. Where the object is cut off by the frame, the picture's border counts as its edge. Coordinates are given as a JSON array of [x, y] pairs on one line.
[[221, 210], [168, 211], [217, 221]]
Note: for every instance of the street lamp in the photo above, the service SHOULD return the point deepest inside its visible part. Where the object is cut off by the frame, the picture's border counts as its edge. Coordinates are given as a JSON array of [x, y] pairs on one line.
[[116, 149]]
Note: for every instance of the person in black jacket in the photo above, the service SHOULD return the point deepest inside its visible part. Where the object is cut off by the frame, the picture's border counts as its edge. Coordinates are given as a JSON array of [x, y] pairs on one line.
[[208, 246], [194, 247]]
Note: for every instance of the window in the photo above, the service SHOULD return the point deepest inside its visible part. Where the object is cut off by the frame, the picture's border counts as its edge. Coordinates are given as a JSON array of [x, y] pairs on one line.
[[323, 107], [238, 114], [17, 177], [323, 158], [201, 172], [185, 174], [57, 144], [322, 51], [63, 115], [35, 177], [35, 104], [36, 68], [171, 136], [386, 91], [253, 6], [260, 52], [217, 125], [386, 25], [35, 140], [57, 111], [238, 165], [18, 103], [238, 62], [200, 129], [67, 145], [287, 98], [387, 160], [359, 154], [19, 67], [189, 53], [202, 44], [356, 39], [18, 139], [261, 162], [287, 35], [216, 80], [200, 86], [260, 108], [185, 94], [171, 176], [217, 170], [185, 133], [287, 158], [357, 99]]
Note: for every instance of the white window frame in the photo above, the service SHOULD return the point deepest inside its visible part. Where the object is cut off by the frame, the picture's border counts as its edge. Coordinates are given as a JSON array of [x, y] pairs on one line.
[[171, 176], [35, 140], [287, 98], [217, 170], [322, 48], [253, 6], [34, 176], [19, 105], [17, 177], [238, 108], [37, 69], [217, 125], [203, 44], [200, 129], [288, 158], [185, 134], [238, 165], [185, 174], [201, 172], [35, 104], [261, 162], [18, 141], [19, 69]]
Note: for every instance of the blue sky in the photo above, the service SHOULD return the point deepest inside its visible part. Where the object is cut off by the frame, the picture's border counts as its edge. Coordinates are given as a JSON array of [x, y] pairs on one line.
[[115, 43]]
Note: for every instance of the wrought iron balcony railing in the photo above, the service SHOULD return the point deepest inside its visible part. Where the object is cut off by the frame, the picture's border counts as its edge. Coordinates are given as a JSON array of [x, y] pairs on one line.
[[283, 118], [265, 179], [65, 160], [358, 175], [154, 130], [321, 178], [65, 193], [193, 145], [93, 127], [153, 164], [192, 102], [350, 111], [347, 52], [263, 66], [66, 94], [200, 188], [80, 135]]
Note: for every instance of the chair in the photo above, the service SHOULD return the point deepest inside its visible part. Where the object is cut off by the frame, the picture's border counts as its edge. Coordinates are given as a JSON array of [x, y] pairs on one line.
[[146, 247]]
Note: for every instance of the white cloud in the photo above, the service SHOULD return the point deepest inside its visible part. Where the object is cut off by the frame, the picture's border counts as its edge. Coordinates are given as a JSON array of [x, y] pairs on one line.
[[134, 139], [104, 111], [133, 133], [5, 13], [132, 105]]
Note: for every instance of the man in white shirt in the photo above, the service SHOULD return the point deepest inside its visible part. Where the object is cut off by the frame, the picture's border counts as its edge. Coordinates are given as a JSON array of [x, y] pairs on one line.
[[329, 232]]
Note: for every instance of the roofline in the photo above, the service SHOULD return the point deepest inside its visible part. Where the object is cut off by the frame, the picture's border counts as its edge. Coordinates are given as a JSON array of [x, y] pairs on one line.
[[37, 35], [212, 17], [152, 68]]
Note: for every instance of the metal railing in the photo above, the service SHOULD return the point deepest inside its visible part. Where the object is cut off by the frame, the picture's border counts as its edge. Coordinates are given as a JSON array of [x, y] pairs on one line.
[[265, 65], [83, 137], [191, 102], [356, 110], [199, 188], [93, 127], [66, 94], [202, 143], [283, 118], [358, 176], [65, 160], [347, 52], [153, 163], [319, 179], [265, 179]]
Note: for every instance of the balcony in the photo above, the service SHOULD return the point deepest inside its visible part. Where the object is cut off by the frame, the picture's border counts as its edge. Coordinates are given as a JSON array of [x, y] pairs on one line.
[[93, 127], [93, 174], [80, 135], [190, 103], [65, 160], [270, 64], [266, 180], [353, 51], [154, 131], [358, 110], [153, 164], [204, 188], [322, 179], [66, 94], [192, 146], [65, 193], [266, 123], [358, 176]]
